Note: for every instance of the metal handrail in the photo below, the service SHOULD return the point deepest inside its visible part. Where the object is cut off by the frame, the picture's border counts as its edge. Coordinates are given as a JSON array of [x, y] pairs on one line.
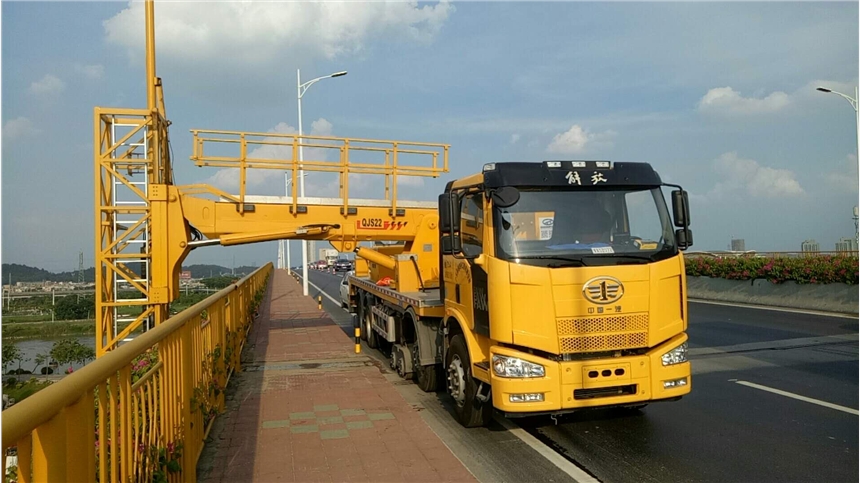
[[58, 415]]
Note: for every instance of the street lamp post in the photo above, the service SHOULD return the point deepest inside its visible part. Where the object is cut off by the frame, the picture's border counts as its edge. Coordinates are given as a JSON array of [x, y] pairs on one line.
[[284, 253], [854, 104], [300, 92]]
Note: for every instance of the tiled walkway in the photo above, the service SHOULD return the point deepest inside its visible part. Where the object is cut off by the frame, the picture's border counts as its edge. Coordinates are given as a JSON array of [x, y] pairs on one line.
[[307, 408]]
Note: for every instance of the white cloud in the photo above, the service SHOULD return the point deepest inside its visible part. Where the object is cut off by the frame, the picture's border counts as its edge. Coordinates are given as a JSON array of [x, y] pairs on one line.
[[747, 175], [515, 138], [321, 127], [725, 100], [260, 32], [844, 177], [577, 140], [18, 128], [93, 72], [47, 86]]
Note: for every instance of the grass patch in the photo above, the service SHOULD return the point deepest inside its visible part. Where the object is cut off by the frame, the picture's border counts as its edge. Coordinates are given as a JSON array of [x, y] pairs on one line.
[[24, 389], [49, 330], [16, 319]]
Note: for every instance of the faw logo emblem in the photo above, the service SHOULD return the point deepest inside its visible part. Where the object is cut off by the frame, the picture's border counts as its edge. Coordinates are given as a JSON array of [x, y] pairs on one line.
[[603, 290]]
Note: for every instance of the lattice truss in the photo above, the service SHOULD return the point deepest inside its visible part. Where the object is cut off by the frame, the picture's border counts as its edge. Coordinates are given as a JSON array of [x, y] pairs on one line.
[[132, 155]]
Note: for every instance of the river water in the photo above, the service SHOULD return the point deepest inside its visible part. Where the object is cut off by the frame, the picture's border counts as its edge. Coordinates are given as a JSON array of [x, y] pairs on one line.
[[30, 348]]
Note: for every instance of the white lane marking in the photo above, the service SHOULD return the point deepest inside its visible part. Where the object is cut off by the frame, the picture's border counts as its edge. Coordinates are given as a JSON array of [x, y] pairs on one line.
[[798, 397], [322, 292], [553, 457], [774, 309]]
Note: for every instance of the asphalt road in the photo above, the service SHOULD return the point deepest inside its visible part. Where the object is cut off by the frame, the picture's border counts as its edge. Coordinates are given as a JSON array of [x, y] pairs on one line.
[[775, 398]]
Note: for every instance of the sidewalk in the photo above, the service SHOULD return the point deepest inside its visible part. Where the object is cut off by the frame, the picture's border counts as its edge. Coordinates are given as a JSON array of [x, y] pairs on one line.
[[307, 408]]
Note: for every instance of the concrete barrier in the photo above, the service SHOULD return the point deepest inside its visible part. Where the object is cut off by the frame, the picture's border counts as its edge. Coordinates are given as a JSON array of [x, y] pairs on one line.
[[833, 297]]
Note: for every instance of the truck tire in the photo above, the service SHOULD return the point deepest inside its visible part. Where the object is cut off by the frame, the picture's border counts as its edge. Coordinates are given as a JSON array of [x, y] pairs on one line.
[[372, 336], [426, 377], [462, 386]]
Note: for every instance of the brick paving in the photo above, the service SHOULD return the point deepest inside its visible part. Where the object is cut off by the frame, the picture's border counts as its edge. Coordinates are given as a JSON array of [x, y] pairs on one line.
[[306, 408]]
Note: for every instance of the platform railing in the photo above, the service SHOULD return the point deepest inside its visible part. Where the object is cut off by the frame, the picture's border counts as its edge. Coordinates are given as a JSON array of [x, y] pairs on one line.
[[391, 159], [141, 412]]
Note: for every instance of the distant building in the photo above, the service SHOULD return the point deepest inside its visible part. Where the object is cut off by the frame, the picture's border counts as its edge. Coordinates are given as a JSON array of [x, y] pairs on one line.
[[738, 245], [846, 245], [809, 246]]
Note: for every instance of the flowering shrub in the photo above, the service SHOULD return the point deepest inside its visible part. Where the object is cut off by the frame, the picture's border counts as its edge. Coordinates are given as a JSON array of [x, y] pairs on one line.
[[811, 269], [205, 398], [142, 363]]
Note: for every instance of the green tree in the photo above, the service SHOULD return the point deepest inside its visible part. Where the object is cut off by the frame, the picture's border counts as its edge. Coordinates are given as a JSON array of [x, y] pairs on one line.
[[66, 351], [40, 360], [74, 308], [217, 282], [11, 353]]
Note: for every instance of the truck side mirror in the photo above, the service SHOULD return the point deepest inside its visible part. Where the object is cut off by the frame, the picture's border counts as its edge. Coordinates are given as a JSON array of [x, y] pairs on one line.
[[684, 238], [681, 208], [505, 197], [449, 213], [449, 223]]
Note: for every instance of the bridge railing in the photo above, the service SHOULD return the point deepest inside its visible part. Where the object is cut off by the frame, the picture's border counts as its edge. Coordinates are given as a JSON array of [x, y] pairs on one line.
[[143, 410]]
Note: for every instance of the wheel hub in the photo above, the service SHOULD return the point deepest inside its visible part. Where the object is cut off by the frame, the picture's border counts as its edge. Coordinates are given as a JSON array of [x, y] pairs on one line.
[[457, 380]]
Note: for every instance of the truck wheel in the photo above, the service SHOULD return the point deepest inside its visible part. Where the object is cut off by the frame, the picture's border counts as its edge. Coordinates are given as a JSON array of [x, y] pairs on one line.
[[372, 338], [425, 376], [462, 387]]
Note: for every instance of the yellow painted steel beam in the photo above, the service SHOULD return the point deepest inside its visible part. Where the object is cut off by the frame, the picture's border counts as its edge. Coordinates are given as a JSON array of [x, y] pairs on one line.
[[368, 223], [376, 257]]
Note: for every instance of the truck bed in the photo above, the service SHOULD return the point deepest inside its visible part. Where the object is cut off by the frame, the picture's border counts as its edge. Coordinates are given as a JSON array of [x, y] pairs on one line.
[[420, 301]]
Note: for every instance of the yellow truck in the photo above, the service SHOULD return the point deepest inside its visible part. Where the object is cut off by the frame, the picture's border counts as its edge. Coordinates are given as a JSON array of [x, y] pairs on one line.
[[537, 288]]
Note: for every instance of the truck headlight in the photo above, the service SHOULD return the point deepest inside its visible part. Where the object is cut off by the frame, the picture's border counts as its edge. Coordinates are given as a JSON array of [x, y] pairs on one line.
[[676, 355], [504, 366]]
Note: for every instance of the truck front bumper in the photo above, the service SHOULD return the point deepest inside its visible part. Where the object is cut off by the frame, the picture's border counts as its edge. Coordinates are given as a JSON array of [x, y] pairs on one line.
[[584, 384]]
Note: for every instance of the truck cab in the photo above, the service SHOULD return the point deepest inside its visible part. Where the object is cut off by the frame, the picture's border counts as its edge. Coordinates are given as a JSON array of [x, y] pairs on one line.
[[564, 288]]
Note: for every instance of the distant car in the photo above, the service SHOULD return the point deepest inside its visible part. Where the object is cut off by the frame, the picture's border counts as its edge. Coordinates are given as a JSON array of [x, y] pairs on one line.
[[344, 291], [342, 266]]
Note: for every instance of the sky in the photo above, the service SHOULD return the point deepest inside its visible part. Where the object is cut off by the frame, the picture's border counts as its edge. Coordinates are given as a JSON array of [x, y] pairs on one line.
[[718, 97]]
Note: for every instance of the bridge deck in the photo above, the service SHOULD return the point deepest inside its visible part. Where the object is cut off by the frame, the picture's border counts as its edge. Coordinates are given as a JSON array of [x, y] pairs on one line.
[[307, 408]]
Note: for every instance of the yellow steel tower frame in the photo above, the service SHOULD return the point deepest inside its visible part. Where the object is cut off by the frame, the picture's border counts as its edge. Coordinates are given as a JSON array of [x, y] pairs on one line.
[[132, 158]]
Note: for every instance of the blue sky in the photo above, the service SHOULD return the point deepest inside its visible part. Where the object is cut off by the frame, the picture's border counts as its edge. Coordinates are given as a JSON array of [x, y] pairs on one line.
[[719, 97]]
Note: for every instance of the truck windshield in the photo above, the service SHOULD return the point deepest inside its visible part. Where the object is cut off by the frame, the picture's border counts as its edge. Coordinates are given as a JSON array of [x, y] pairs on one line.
[[580, 228]]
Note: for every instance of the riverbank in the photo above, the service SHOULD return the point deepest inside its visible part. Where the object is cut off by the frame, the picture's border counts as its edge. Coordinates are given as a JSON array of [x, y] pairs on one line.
[[48, 330]]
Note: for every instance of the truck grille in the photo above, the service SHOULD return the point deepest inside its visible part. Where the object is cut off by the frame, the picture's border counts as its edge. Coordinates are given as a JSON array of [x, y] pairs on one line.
[[604, 392], [593, 334]]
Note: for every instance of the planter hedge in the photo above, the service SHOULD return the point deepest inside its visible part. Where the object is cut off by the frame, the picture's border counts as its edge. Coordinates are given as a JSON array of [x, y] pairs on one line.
[[818, 269]]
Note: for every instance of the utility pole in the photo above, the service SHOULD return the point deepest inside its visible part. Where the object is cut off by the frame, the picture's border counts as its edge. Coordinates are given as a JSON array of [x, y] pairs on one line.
[[81, 267]]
